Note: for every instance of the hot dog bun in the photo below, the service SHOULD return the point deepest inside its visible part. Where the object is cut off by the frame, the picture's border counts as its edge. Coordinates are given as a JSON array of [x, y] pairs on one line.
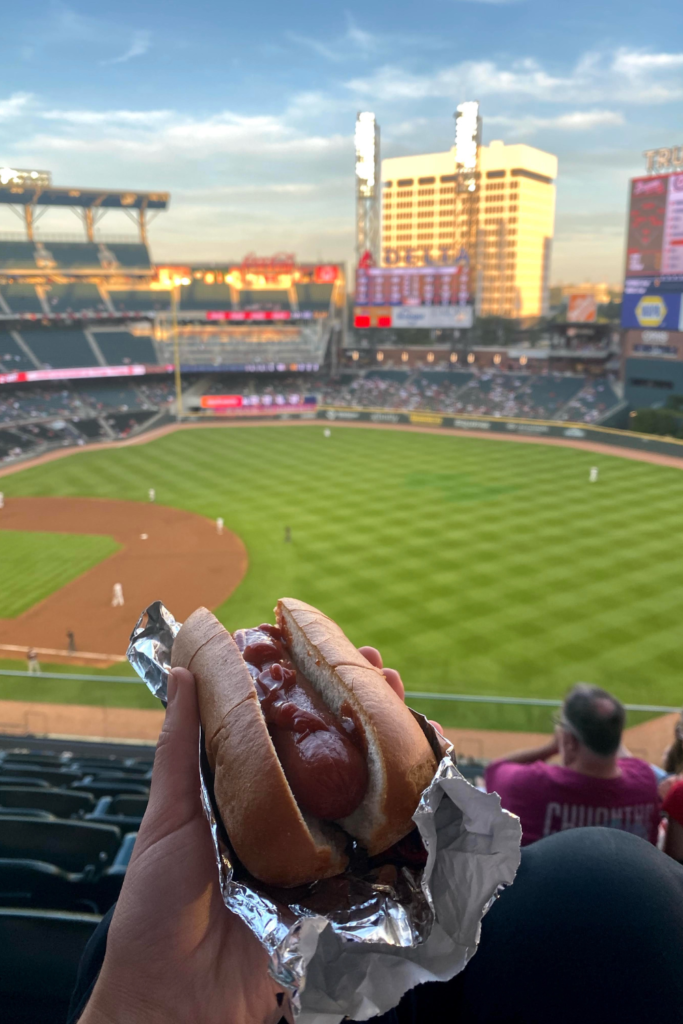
[[400, 760], [274, 840], [266, 828]]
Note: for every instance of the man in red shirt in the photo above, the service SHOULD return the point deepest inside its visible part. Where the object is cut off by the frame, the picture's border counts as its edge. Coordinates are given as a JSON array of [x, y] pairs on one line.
[[591, 786]]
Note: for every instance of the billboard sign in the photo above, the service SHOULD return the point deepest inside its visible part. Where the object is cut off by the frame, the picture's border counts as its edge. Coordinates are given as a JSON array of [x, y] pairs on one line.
[[77, 373], [655, 227], [581, 308], [661, 311], [257, 404]]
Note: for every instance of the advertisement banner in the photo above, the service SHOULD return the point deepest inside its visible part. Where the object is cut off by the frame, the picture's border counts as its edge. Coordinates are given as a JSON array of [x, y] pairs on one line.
[[76, 373], [256, 404], [662, 311], [581, 308], [433, 316]]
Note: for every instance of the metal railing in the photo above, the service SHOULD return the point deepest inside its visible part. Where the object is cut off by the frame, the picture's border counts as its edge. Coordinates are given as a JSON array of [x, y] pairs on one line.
[[468, 698]]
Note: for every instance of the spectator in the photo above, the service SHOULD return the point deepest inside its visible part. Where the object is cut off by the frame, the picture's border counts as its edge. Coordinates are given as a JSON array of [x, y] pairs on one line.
[[591, 786], [673, 808], [673, 758]]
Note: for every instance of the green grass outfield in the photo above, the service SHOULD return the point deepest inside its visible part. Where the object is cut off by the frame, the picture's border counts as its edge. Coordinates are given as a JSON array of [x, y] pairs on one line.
[[34, 564], [476, 566]]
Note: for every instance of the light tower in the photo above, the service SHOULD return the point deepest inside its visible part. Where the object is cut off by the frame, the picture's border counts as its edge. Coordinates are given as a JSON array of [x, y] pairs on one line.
[[467, 143], [368, 187]]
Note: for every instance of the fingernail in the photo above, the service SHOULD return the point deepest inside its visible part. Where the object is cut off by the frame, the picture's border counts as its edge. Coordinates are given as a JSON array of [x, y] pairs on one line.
[[171, 688]]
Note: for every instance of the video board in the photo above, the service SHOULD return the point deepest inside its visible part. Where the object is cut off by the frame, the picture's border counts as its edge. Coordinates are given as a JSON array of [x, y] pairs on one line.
[[653, 288], [655, 226], [432, 296]]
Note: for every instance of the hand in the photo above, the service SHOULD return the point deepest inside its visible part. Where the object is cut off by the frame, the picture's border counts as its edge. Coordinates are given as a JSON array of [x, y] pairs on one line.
[[174, 951]]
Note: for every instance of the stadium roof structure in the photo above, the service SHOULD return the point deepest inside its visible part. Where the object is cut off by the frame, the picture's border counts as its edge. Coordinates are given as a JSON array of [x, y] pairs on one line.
[[88, 203]]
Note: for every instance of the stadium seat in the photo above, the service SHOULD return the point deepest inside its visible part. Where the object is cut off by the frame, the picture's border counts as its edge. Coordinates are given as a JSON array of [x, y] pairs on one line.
[[104, 787], [26, 812], [23, 780], [22, 298], [106, 889], [124, 811], [35, 883], [134, 805], [71, 845], [12, 356], [63, 803], [39, 955], [120, 347], [60, 348], [53, 776]]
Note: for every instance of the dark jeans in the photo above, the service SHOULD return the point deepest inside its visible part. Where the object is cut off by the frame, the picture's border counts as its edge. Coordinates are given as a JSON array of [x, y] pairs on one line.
[[590, 932]]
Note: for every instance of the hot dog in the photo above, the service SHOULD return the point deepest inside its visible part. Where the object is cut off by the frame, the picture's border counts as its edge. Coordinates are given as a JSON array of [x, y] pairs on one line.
[[321, 756], [308, 744]]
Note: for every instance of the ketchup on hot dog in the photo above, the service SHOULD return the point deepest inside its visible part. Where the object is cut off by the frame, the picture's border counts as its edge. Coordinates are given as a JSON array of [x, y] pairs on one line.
[[325, 768]]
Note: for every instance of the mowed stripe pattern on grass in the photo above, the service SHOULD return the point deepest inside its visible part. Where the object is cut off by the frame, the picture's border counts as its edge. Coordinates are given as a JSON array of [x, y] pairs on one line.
[[474, 566], [33, 565]]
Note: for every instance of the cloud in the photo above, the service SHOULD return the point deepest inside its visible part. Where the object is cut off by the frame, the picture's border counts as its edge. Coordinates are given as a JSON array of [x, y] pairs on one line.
[[314, 45], [15, 105], [161, 135], [623, 75], [575, 121], [359, 37], [104, 117], [140, 44]]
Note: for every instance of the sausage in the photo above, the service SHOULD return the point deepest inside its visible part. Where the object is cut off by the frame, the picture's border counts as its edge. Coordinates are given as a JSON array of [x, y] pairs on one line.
[[326, 770]]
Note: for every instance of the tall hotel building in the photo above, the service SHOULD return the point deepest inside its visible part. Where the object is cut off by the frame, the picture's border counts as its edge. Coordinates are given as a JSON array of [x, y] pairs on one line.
[[513, 209]]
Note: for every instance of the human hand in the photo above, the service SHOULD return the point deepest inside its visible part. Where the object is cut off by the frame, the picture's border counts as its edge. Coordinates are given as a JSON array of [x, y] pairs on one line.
[[175, 953]]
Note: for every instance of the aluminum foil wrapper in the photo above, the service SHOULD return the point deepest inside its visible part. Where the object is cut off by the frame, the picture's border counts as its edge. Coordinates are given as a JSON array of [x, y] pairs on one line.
[[351, 946]]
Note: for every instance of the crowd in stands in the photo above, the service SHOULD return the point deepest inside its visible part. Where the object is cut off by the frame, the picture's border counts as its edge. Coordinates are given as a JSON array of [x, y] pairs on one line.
[[35, 418], [592, 402], [526, 396]]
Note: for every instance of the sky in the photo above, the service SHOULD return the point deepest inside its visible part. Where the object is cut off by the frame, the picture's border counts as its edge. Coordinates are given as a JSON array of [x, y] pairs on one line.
[[245, 113]]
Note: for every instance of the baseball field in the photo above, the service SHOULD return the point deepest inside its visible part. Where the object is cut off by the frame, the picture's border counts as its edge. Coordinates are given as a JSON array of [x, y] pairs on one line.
[[475, 566]]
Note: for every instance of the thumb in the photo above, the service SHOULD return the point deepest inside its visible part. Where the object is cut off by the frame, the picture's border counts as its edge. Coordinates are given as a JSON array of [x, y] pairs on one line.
[[174, 792]]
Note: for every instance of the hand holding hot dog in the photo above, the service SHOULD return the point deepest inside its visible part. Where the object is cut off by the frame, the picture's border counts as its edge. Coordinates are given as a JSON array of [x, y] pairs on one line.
[[174, 952]]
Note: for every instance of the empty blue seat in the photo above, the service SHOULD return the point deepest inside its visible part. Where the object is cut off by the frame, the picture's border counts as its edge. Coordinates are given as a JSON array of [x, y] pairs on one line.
[[39, 955], [63, 803], [71, 845]]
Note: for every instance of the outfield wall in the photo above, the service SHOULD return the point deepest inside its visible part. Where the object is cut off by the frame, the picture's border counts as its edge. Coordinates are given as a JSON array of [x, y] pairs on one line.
[[490, 425]]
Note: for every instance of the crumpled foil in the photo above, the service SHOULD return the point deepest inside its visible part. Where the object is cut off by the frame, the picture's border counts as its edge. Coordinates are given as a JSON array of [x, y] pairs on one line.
[[351, 946]]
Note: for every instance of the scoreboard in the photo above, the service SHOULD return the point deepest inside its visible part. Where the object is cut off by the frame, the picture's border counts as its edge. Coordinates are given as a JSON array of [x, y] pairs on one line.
[[436, 296]]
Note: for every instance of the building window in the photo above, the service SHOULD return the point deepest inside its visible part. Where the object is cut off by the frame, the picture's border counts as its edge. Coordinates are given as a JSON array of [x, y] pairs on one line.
[[521, 172], [404, 182], [425, 191], [404, 195], [426, 202], [495, 174], [426, 181]]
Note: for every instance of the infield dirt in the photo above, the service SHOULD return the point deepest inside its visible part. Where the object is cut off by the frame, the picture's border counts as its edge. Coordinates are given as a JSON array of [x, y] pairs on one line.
[[183, 562]]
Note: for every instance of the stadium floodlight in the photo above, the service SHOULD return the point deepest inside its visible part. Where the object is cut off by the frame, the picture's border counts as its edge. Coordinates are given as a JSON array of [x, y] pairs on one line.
[[367, 186], [467, 135], [366, 139], [15, 176]]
